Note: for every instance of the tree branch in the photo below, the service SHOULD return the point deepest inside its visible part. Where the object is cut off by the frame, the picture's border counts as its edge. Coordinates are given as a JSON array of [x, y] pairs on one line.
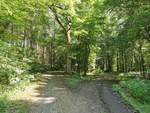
[[57, 18]]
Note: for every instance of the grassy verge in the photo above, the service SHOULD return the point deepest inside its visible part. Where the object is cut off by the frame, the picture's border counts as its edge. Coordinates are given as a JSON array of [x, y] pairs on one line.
[[73, 80], [136, 94], [12, 97]]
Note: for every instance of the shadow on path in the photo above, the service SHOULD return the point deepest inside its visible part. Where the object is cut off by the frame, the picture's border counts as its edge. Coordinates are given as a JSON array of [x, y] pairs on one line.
[[51, 95]]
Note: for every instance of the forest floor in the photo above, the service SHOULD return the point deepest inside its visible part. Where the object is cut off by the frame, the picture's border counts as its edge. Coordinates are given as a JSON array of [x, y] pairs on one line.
[[52, 95]]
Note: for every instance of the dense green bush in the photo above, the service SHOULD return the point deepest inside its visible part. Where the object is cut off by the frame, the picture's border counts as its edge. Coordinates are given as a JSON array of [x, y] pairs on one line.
[[14, 66], [13, 63], [37, 67], [126, 76], [139, 89], [3, 105]]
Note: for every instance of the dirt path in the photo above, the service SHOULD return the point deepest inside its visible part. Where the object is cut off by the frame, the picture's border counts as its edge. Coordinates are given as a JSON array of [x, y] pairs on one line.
[[54, 97]]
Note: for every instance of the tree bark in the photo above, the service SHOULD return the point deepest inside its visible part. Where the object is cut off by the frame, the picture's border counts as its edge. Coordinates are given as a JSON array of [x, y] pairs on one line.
[[118, 67], [68, 64], [142, 67], [67, 32]]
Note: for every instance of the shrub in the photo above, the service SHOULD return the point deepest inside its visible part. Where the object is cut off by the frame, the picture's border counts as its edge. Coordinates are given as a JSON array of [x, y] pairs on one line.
[[73, 80], [13, 63], [37, 67], [3, 105], [139, 89], [126, 76]]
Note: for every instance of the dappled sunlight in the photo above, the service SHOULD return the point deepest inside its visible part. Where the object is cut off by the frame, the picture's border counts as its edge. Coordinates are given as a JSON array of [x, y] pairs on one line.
[[36, 94], [32, 96], [43, 100], [42, 84], [59, 88], [64, 56], [49, 76], [33, 93]]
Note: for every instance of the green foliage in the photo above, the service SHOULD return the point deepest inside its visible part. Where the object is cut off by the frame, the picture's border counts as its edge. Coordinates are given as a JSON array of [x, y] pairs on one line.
[[39, 68], [7, 104], [73, 80], [3, 105], [98, 71], [135, 93], [105, 35], [138, 89], [13, 65], [126, 76]]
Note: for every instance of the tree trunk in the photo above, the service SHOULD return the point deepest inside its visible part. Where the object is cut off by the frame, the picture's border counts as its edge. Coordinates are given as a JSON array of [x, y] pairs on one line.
[[86, 58], [125, 63], [108, 63], [118, 67], [68, 64], [142, 68]]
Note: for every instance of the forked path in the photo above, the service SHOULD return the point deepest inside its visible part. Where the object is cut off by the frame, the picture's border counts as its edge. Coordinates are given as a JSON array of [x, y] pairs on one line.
[[53, 96]]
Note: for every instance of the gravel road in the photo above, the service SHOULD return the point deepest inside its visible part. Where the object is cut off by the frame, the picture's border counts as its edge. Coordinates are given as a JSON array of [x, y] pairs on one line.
[[54, 96]]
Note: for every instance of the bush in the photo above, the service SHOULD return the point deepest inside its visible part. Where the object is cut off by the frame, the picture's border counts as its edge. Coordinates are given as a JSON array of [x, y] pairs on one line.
[[139, 89], [73, 80], [38, 67], [3, 105], [13, 63], [126, 76]]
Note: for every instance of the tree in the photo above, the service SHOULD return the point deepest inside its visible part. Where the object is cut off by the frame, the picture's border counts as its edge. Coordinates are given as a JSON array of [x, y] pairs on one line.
[[58, 9]]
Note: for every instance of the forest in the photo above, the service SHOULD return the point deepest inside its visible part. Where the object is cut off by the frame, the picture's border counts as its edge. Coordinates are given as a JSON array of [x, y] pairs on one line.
[[86, 49]]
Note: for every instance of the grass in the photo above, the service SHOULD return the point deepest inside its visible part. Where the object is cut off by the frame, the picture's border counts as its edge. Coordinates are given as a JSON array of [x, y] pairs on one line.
[[73, 80], [141, 107], [11, 99]]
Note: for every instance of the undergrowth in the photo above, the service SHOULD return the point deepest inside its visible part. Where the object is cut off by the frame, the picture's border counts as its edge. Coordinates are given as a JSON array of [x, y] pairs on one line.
[[9, 98], [136, 93], [73, 80]]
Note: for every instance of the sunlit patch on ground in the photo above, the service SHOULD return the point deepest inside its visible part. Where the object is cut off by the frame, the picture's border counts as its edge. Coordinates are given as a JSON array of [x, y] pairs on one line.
[[33, 94], [59, 88], [45, 100]]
